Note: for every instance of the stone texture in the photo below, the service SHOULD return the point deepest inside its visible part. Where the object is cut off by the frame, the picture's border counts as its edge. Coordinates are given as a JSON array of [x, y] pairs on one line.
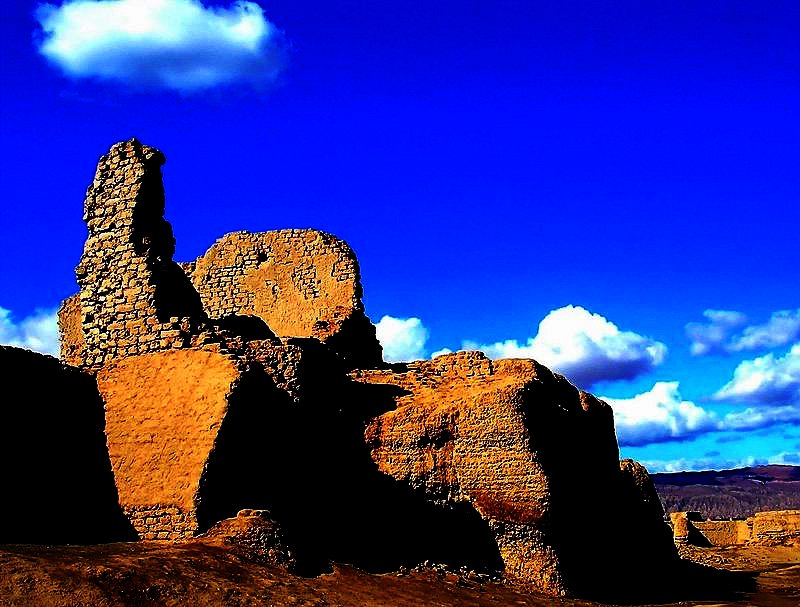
[[57, 480], [255, 535], [301, 283], [70, 328], [771, 528], [776, 527], [225, 388], [134, 298], [532, 455]]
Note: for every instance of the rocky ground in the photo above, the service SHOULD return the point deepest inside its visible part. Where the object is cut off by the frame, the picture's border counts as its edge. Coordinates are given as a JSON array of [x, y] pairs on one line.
[[205, 573]]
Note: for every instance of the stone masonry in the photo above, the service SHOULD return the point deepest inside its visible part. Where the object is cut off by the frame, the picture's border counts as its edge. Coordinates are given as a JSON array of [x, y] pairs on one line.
[[134, 298], [301, 283], [252, 378]]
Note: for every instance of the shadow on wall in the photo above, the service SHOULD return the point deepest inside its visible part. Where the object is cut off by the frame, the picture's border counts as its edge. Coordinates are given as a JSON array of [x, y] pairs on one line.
[[606, 518], [307, 463], [53, 454]]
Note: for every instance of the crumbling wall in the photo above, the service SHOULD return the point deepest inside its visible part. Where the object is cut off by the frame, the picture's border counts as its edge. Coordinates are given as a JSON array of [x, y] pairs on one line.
[[776, 527], [723, 533], [301, 283], [70, 329], [134, 298], [771, 527], [529, 452]]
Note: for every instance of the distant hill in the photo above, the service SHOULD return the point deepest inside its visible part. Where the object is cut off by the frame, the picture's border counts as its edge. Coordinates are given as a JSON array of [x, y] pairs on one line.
[[738, 493]]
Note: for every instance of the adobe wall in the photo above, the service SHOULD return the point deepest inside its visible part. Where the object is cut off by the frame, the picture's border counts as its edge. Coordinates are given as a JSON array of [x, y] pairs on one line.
[[163, 413], [527, 451], [772, 527], [777, 526], [724, 533], [301, 283]]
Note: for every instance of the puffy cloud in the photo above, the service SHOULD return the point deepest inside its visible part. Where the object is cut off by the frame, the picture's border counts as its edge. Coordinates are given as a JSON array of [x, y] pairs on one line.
[[722, 333], [662, 415], [176, 44], [712, 336], [766, 380], [403, 339], [585, 347], [659, 415], [38, 332]]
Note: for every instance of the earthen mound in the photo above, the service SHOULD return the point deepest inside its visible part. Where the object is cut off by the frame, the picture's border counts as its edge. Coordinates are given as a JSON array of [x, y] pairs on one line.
[[535, 457]]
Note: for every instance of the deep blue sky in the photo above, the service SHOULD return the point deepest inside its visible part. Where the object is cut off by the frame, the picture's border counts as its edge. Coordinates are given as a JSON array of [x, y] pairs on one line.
[[489, 162]]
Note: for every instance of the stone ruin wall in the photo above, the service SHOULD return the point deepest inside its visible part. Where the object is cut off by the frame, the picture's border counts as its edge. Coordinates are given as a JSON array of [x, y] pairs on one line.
[[166, 372], [135, 299], [131, 299], [301, 283], [277, 276], [771, 527], [70, 330]]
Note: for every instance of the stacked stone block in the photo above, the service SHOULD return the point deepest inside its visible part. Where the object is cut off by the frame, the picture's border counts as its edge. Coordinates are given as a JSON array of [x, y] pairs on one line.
[[131, 300], [301, 283]]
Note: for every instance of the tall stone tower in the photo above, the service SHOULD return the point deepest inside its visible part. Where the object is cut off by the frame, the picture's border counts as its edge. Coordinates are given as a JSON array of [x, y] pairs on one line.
[[134, 298]]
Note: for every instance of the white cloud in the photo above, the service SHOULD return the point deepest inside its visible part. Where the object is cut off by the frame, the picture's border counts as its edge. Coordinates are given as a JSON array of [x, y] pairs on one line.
[[585, 347], [782, 328], [38, 332], [714, 463], [722, 333], [403, 339], [176, 44], [766, 380], [754, 418], [659, 415], [712, 336]]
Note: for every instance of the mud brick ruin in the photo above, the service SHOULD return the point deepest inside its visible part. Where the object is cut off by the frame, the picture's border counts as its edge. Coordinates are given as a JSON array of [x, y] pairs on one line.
[[772, 527], [251, 380]]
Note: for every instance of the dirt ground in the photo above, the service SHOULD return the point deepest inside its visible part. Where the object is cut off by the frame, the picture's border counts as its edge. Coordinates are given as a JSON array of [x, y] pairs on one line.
[[196, 574]]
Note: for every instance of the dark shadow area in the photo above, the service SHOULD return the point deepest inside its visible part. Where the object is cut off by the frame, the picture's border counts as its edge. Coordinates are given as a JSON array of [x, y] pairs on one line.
[[612, 541], [308, 464], [57, 482], [356, 343], [152, 236], [175, 294], [246, 326]]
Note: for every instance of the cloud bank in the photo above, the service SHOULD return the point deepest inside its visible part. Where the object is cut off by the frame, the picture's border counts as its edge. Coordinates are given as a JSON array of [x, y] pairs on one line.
[[659, 415], [716, 462], [402, 339], [766, 380], [38, 332], [175, 44], [726, 332], [586, 348]]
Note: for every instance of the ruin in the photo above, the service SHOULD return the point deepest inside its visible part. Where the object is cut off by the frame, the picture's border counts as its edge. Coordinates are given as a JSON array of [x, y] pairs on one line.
[[245, 380], [773, 527]]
